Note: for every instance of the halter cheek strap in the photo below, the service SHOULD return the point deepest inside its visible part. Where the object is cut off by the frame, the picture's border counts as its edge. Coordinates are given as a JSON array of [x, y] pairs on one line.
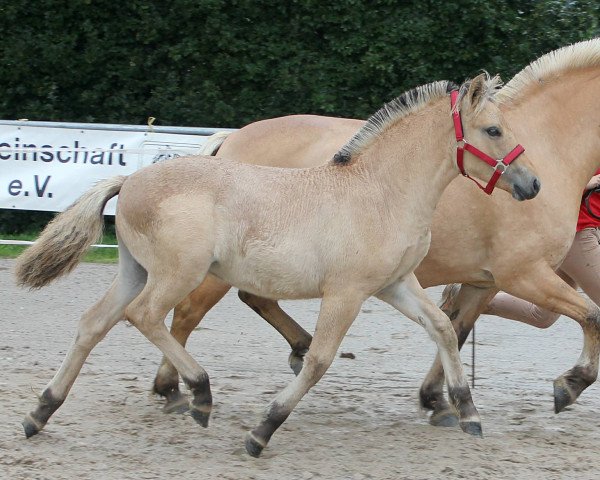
[[499, 166]]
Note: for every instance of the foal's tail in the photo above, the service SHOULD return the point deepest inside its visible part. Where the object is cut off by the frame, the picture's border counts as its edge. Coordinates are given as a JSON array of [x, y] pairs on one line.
[[66, 238], [213, 143]]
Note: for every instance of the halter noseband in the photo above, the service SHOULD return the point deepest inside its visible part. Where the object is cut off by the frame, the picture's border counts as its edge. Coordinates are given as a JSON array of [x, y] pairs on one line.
[[499, 166]]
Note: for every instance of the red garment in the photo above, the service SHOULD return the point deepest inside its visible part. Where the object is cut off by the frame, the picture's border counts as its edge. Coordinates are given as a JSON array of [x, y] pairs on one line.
[[585, 220]]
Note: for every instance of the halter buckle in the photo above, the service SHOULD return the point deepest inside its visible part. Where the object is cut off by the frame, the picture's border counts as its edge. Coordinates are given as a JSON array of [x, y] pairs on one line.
[[500, 166]]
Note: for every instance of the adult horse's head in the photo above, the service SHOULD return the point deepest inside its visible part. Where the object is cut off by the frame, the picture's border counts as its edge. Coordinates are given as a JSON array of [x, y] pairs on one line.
[[486, 148]]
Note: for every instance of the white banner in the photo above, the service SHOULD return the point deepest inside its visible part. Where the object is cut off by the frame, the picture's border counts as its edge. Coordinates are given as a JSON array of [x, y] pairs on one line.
[[49, 167]]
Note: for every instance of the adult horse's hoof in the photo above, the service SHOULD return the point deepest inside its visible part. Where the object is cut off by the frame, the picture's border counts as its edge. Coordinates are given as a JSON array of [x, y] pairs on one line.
[[200, 416], [444, 418], [563, 397], [176, 403], [296, 360], [253, 446], [569, 386], [472, 428], [30, 426]]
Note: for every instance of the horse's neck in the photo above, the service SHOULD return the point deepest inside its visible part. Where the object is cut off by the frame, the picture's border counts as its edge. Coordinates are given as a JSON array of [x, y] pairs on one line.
[[561, 118], [410, 161]]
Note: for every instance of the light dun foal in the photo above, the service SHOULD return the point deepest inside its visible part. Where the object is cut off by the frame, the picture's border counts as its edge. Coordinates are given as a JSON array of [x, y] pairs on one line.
[[352, 228]]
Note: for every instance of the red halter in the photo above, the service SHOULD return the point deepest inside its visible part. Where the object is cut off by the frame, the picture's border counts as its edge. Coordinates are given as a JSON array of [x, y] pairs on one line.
[[499, 166]]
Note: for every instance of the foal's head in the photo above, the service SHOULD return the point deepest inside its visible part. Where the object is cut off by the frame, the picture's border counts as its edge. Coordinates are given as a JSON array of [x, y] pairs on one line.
[[484, 128]]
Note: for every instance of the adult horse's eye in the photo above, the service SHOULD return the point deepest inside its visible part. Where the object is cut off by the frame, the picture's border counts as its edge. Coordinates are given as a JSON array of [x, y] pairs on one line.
[[493, 131]]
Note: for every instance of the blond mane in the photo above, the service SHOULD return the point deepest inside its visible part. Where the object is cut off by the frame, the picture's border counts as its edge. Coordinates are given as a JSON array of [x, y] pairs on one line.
[[551, 65], [409, 102]]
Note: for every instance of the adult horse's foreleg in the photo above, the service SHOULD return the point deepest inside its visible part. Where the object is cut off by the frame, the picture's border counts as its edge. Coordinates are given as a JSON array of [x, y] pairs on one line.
[[93, 326], [298, 338], [547, 290], [335, 317], [550, 292], [408, 297], [188, 314], [463, 305]]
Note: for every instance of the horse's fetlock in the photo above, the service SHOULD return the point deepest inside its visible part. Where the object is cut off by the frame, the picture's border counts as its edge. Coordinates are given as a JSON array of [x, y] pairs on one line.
[[47, 405], [580, 376], [274, 417], [200, 388], [165, 386], [429, 399], [460, 396]]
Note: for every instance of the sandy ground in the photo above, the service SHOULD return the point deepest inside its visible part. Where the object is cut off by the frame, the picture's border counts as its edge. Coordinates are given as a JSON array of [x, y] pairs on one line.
[[361, 421]]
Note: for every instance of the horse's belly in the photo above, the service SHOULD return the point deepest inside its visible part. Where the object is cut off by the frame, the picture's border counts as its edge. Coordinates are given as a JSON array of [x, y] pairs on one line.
[[273, 277], [278, 271]]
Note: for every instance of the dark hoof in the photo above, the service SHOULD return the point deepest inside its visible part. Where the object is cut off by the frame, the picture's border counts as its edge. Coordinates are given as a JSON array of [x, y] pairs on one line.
[[200, 417], [562, 395], [176, 404], [472, 428], [447, 418], [253, 448], [296, 360], [31, 428]]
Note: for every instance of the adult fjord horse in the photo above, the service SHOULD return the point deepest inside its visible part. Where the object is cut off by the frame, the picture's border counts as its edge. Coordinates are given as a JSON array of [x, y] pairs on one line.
[[354, 227], [554, 104]]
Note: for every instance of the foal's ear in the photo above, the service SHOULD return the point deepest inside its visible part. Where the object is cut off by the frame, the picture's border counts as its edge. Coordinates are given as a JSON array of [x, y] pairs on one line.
[[477, 88]]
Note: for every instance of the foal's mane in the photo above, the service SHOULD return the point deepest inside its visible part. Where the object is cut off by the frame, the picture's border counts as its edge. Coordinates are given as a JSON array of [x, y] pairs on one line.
[[409, 102], [551, 65]]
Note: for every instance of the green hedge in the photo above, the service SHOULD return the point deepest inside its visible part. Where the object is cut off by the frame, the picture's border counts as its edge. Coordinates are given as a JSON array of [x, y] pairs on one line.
[[227, 63]]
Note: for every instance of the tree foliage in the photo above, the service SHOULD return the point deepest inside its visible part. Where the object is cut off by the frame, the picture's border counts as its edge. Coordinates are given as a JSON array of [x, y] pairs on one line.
[[227, 63]]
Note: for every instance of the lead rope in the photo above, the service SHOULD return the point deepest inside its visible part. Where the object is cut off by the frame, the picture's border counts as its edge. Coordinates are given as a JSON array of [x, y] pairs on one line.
[[586, 201]]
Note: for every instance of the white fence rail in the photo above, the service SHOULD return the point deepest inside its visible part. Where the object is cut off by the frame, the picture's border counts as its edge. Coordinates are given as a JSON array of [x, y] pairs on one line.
[[27, 243]]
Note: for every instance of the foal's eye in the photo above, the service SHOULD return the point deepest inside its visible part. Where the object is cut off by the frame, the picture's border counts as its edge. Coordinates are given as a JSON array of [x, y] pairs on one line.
[[493, 132]]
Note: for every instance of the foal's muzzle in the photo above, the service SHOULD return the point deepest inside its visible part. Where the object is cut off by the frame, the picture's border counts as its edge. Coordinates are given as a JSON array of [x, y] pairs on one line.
[[526, 190]]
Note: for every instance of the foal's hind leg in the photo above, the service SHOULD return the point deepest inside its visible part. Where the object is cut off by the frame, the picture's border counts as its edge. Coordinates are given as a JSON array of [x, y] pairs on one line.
[[409, 298], [298, 338], [463, 311], [336, 315], [93, 326], [188, 314], [148, 311]]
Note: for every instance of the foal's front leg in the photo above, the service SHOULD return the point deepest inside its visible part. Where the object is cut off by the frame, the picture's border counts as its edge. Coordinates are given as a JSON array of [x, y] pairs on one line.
[[407, 296], [546, 289], [463, 308], [335, 317]]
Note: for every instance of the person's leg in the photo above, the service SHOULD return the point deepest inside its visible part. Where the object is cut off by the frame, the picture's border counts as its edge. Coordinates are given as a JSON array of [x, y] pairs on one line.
[[513, 308], [583, 262]]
